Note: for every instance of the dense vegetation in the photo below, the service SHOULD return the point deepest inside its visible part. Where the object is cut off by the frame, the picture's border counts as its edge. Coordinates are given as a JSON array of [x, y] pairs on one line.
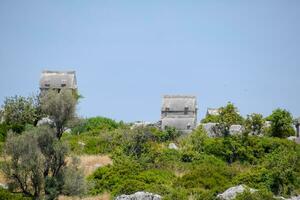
[[261, 157]]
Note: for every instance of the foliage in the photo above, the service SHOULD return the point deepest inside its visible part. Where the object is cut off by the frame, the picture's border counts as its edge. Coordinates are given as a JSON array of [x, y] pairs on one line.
[[281, 123], [60, 107], [195, 141], [280, 176], [228, 115], [95, 125], [207, 174], [249, 149], [101, 123], [258, 195], [3, 131], [254, 124], [6, 195], [73, 180], [19, 111], [170, 133], [211, 119], [127, 176], [35, 164]]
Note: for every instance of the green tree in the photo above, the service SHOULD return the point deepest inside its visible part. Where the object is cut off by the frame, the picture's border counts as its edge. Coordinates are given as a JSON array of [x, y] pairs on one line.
[[254, 124], [19, 111], [228, 116], [60, 107], [281, 123], [211, 119], [35, 163]]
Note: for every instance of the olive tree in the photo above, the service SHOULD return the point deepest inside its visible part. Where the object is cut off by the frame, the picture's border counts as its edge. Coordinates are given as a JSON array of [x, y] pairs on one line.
[[35, 164], [60, 107], [17, 111]]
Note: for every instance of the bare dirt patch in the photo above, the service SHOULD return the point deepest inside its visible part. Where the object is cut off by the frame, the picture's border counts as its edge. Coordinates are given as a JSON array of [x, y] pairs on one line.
[[89, 163]]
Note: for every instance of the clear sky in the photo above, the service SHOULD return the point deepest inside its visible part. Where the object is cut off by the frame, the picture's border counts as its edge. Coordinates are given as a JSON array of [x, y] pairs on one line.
[[128, 53]]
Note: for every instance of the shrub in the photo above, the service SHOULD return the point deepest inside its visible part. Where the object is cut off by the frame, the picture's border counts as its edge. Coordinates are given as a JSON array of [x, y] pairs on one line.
[[6, 195], [207, 173], [3, 132], [247, 195], [100, 123], [278, 173], [281, 123]]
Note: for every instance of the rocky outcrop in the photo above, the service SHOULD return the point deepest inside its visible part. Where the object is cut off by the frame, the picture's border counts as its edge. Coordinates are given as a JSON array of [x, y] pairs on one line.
[[139, 196], [232, 192]]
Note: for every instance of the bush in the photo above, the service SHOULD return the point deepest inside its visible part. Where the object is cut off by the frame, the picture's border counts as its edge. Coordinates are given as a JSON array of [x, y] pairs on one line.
[[247, 195], [127, 177], [166, 135], [100, 123], [244, 149], [95, 125], [207, 173], [3, 132], [281, 123], [6, 195], [280, 176]]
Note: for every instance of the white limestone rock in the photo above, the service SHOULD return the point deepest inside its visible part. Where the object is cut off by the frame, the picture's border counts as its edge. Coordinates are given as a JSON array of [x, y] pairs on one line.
[[173, 146], [139, 196], [232, 192], [292, 138], [236, 129], [4, 186], [210, 129], [45, 121], [81, 143]]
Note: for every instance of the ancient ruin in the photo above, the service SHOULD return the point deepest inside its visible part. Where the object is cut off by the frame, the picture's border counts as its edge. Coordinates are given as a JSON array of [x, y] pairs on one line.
[[180, 112]]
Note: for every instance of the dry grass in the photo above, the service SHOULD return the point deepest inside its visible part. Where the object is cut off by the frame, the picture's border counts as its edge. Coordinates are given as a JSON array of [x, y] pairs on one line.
[[89, 163], [2, 178], [104, 196]]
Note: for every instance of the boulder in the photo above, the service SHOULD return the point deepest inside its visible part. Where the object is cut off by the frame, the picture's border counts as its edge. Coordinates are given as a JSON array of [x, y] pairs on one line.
[[45, 121], [173, 146], [210, 129], [232, 192], [292, 138], [67, 130], [139, 196], [4, 186], [81, 143], [236, 129]]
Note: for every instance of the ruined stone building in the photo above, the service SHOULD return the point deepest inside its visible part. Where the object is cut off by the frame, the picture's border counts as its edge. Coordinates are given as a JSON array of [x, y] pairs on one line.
[[213, 111], [180, 112], [58, 80]]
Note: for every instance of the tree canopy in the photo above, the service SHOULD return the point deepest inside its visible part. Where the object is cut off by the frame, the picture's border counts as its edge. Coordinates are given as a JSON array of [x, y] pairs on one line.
[[60, 107]]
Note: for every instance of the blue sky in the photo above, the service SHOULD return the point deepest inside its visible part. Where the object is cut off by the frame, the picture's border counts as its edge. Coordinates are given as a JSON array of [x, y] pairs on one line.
[[127, 54]]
